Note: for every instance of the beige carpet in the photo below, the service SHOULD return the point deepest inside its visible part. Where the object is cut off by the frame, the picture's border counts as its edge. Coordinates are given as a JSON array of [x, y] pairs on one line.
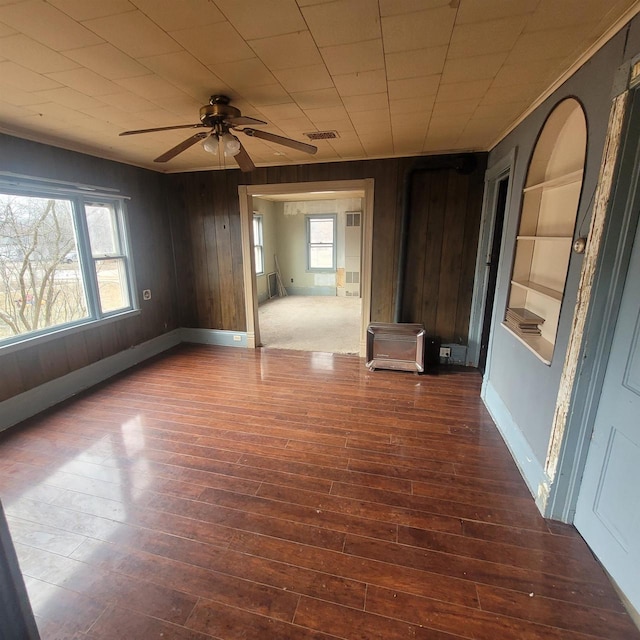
[[311, 323]]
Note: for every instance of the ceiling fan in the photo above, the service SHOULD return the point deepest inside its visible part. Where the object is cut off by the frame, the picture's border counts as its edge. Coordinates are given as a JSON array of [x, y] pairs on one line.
[[221, 119]]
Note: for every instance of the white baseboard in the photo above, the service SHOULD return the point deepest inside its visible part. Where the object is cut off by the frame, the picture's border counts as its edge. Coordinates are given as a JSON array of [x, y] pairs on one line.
[[214, 336], [530, 468], [29, 403]]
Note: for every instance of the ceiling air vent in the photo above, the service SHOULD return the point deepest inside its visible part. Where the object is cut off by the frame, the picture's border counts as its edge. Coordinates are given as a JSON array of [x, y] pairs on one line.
[[322, 135]]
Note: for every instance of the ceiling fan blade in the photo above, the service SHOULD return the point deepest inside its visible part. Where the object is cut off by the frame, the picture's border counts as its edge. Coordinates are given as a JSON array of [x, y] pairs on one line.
[[177, 126], [179, 148], [287, 142], [242, 120], [244, 161]]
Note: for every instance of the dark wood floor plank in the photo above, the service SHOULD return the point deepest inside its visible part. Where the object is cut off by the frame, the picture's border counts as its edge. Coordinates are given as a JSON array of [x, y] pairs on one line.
[[444, 476], [141, 595], [561, 564], [591, 593], [346, 523], [530, 520], [563, 615], [373, 512], [432, 585], [189, 578], [118, 622], [232, 623], [217, 494], [61, 613], [469, 623], [362, 625]]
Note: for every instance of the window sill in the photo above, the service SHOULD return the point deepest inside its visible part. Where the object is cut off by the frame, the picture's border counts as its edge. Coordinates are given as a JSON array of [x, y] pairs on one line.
[[33, 341]]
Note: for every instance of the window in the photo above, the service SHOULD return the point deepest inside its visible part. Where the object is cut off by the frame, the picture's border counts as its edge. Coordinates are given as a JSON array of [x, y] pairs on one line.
[[321, 241], [258, 243], [63, 261]]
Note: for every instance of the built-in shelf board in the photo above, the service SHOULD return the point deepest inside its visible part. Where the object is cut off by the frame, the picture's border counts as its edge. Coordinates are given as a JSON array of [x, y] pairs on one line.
[[572, 177], [547, 292], [545, 235], [541, 348]]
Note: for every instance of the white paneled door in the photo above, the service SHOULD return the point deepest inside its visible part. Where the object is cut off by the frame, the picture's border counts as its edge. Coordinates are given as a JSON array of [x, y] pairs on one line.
[[608, 509]]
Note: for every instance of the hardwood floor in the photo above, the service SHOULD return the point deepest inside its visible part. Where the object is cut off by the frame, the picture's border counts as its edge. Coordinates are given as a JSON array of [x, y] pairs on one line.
[[224, 493]]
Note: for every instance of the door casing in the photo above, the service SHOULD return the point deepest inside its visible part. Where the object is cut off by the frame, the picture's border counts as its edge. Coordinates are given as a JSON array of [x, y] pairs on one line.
[[246, 192]]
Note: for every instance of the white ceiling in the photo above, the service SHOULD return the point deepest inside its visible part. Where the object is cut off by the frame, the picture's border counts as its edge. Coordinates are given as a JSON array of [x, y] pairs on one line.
[[392, 77]]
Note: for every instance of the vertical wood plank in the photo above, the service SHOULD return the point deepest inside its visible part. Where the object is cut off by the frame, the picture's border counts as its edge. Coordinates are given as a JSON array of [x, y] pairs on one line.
[[455, 210], [414, 277], [433, 250]]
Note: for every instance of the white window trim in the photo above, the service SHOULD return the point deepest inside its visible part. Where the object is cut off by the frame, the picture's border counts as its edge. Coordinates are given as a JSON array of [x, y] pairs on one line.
[[321, 216], [79, 200], [260, 244]]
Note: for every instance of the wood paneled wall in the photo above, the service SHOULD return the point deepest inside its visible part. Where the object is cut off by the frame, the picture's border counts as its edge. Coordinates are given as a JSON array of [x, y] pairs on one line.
[[442, 242], [153, 260], [185, 232], [443, 232]]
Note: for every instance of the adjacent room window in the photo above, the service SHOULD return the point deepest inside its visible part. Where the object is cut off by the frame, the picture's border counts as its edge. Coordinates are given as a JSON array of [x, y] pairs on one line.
[[321, 243], [64, 260], [258, 243]]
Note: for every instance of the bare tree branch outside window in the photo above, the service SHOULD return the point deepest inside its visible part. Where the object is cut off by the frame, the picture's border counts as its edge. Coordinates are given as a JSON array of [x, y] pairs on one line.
[[40, 277]]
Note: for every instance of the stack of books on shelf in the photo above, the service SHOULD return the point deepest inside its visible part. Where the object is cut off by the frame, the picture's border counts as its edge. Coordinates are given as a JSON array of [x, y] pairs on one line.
[[523, 322]]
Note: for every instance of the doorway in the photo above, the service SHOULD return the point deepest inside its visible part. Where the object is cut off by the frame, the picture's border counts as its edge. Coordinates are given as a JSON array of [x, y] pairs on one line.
[[307, 250], [324, 279], [497, 195], [492, 269]]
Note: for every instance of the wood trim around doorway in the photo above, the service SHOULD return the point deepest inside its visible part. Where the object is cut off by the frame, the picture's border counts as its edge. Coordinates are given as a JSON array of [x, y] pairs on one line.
[[246, 192]]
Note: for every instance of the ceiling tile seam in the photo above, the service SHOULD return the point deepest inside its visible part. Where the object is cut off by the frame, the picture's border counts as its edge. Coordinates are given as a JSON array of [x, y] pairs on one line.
[[384, 68], [446, 55], [135, 4], [522, 30], [386, 75], [331, 76], [183, 49], [248, 43], [257, 55], [151, 72], [169, 35], [528, 15], [62, 52], [586, 55]]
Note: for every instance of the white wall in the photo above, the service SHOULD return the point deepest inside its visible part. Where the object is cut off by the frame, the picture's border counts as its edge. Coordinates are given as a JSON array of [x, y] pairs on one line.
[[268, 211], [291, 245]]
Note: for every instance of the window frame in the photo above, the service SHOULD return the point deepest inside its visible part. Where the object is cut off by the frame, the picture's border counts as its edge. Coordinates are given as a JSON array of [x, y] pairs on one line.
[[321, 216], [79, 199], [259, 218]]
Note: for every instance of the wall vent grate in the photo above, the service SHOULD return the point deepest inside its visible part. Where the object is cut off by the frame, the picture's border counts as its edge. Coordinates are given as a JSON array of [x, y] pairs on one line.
[[322, 135], [353, 218]]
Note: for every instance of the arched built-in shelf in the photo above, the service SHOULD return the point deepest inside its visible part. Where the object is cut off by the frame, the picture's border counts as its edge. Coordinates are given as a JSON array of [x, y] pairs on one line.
[[543, 245]]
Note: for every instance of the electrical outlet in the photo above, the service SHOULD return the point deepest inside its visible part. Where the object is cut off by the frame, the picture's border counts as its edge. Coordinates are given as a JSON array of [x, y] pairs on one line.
[[237, 338], [146, 294], [445, 352]]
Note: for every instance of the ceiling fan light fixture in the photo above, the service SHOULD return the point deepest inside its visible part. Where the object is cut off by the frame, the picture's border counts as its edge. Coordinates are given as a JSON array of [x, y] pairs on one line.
[[210, 143], [231, 145], [220, 118]]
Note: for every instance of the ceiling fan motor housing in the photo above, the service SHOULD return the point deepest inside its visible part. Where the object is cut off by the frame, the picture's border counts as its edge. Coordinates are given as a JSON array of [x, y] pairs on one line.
[[217, 111]]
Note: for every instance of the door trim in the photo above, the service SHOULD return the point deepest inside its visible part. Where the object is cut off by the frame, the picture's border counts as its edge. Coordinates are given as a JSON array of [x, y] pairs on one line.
[[615, 217], [493, 176], [246, 192]]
